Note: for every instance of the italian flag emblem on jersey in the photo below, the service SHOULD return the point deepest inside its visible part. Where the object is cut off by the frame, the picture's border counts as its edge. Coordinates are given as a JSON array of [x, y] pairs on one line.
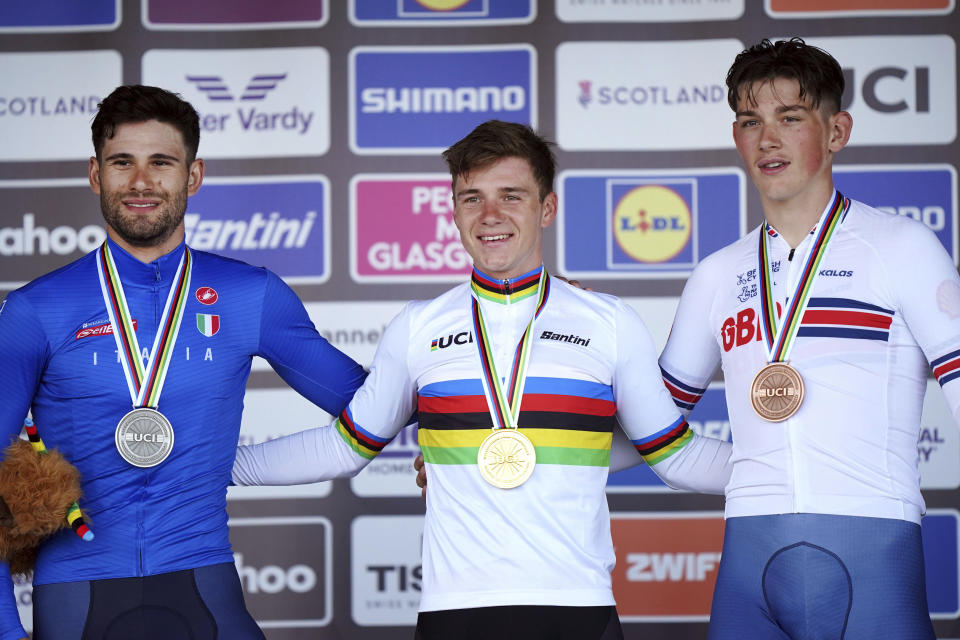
[[208, 324]]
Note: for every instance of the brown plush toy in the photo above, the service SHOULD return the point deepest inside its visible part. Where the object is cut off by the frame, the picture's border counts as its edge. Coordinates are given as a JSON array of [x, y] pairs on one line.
[[39, 492]]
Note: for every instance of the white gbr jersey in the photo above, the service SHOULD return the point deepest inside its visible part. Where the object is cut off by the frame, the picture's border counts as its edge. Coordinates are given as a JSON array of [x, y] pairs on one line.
[[883, 311]]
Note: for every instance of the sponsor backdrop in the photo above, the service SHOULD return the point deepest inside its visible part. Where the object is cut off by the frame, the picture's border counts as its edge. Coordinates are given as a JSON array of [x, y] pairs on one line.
[[322, 122]]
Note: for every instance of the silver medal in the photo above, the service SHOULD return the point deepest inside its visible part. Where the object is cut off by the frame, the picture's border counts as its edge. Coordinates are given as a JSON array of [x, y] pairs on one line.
[[144, 437]]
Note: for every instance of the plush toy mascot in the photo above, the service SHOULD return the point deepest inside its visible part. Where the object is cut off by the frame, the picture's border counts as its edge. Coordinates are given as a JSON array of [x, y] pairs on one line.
[[39, 490]]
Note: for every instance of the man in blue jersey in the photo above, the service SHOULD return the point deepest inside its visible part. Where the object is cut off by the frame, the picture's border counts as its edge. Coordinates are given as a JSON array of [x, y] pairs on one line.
[[515, 421], [133, 362]]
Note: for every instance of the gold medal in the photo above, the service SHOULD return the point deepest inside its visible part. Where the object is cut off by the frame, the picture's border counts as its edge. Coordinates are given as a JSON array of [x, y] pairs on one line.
[[506, 458], [776, 392]]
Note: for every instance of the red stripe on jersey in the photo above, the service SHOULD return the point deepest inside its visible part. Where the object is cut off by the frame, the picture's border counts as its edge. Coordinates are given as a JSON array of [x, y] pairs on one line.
[[947, 367], [848, 318], [680, 394]]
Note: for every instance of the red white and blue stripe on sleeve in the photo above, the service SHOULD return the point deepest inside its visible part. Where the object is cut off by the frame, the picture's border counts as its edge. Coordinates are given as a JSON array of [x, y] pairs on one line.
[[685, 396], [946, 367]]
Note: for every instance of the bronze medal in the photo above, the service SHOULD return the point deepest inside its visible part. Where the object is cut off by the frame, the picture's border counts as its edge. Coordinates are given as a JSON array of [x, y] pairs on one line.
[[776, 392], [506, 458]]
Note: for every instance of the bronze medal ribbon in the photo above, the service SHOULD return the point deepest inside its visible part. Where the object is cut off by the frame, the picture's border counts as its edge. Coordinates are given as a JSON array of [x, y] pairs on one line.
[[780, 339]]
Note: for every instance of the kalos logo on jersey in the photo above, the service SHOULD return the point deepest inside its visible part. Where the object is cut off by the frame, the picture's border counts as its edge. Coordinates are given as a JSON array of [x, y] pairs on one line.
[[666, 564], [280, 222], [402, 230], [60, 15], [925, 192], [441, 13], [416, 100], [253, 103], [658, 224], [207, 295], [190, 14]]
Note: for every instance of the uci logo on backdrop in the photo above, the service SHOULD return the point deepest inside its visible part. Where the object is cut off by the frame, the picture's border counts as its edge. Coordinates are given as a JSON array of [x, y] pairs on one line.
[[900, 89]]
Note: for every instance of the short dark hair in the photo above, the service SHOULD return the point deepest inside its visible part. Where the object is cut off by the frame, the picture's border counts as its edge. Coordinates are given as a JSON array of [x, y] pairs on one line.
[[140, 103], [817, 72], [494, 140]]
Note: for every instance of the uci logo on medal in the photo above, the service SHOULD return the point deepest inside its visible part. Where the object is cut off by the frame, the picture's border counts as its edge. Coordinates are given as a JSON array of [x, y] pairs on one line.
[[651, 224]]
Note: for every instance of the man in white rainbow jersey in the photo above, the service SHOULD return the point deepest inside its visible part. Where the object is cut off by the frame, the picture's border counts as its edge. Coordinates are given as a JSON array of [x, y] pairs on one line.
[[826, 320], [518, 379]]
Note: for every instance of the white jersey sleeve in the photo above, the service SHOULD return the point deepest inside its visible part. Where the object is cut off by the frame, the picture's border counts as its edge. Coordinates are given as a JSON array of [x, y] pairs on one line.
[[380, 408], [927, 286], [649, 417], [692, 353]]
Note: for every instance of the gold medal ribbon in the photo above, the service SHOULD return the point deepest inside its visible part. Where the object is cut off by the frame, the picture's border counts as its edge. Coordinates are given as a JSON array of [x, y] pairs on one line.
[[505, 408], [144, 382], [780, 339]]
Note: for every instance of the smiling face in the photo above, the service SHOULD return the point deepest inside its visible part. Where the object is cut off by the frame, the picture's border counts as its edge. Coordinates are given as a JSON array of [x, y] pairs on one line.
[[787, 146], [143, 180], [501, 217]]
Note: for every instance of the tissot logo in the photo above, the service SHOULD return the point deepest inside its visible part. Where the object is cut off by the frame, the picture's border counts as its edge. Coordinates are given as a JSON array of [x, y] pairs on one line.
[[257, 89]]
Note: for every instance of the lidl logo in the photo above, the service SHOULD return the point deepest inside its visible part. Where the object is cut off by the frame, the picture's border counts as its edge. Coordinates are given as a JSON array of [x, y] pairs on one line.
[[652, 223], [646, 224]]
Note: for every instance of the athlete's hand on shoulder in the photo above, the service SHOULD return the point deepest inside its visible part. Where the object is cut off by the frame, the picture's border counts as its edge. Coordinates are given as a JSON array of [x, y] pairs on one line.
[[575, 283], [421, 475]]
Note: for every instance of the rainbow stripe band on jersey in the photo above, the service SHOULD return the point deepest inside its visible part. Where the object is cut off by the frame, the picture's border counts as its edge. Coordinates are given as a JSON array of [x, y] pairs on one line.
[[74, 517], [780, 339]]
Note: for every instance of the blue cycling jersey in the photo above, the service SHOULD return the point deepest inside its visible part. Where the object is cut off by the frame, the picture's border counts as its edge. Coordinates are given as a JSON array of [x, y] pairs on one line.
[[60, 362]]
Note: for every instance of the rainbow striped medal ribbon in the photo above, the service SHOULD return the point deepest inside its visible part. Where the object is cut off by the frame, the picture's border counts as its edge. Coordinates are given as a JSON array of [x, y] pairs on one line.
[[144, 436], [506, 457], [777, 390]]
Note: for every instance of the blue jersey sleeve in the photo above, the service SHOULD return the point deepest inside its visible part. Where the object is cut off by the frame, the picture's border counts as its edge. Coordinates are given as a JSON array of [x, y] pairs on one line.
[[23, 350], [300, 355]]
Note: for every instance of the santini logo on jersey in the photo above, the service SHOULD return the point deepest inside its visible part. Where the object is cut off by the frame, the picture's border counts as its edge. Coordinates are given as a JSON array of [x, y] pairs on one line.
[[464, 337], [563, 337]]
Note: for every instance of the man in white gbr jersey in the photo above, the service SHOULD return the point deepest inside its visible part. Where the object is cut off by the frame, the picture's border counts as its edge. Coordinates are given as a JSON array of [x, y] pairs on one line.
[[826, 320], [515, 421]]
